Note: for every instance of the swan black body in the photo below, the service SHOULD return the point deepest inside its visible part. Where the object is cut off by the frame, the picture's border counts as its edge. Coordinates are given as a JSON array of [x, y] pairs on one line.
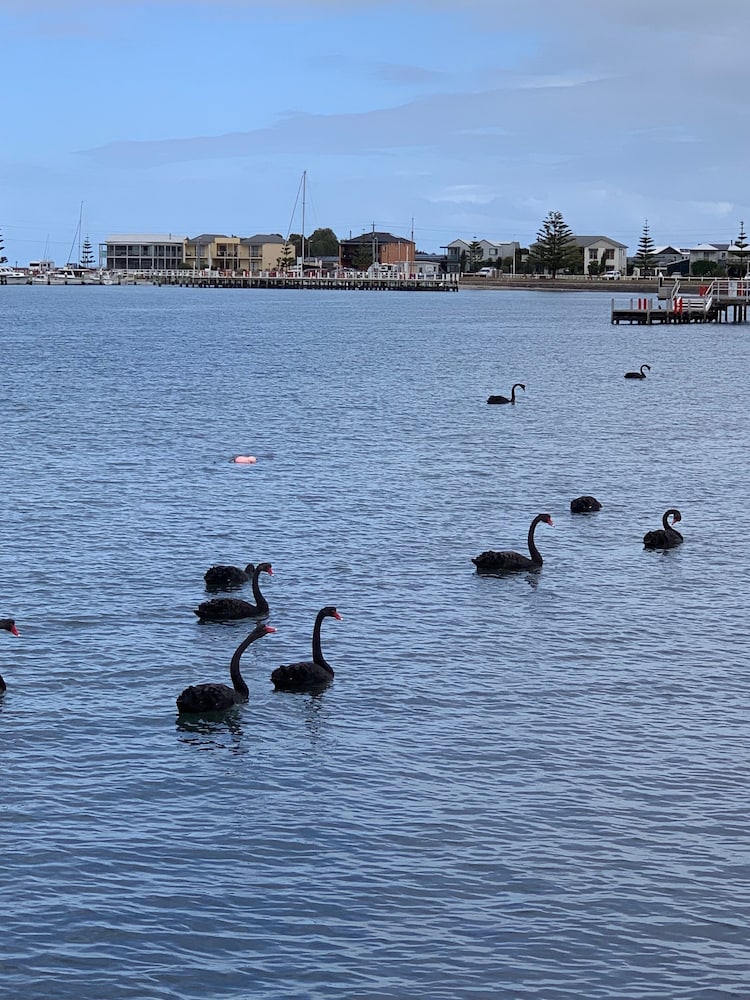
[[199, 698], [228, 577], [638, 374], [512, 562], [584, 505], [7, 625], [666, 537], [225, 609], [505, 399], [307, 675]]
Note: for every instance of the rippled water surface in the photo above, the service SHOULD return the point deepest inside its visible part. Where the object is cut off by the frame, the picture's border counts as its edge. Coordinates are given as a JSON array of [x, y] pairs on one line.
[[533, 786]]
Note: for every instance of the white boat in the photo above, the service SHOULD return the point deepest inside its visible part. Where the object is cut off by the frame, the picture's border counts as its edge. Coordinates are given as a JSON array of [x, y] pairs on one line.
[[11, 276]]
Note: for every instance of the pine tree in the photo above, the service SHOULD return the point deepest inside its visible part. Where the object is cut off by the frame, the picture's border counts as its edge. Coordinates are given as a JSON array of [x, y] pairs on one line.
[[286, 258], [3, 259], [87, 254], [555, 248], [644, 258], [475, 254], [741, 249]]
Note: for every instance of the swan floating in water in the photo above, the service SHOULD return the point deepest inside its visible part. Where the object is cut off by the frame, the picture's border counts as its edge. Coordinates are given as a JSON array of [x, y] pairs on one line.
[[7, 625], [638, 374], [584, 505], [504, 399], [225, 609], [667, 536], [511, 562], [218, 697], [227, 577], [307, 675]]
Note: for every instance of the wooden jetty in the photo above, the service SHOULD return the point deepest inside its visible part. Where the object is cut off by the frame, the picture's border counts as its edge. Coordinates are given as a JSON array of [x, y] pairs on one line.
[[723, 300], [357, 282]]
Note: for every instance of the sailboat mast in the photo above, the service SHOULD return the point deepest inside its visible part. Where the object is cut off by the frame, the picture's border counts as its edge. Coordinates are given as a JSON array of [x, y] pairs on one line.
[[304, 186]]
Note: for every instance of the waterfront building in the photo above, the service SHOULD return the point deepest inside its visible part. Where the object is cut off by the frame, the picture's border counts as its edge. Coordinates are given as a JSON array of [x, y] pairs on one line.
[[142, 252], [603, 249], [378, 248]]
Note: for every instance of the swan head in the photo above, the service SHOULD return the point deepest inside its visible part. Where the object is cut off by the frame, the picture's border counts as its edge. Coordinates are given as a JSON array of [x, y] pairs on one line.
[[264, 568], [330, 612], [547, 518], [9, 626]]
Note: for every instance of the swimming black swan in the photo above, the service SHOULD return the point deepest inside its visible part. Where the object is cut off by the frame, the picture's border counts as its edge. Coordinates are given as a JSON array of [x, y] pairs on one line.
[[8, 625], [227, 577], [584, 505], [504, 399], [217, 697], [224, 609], [308, 675], [667, 536], [509, 562], [638, 374]]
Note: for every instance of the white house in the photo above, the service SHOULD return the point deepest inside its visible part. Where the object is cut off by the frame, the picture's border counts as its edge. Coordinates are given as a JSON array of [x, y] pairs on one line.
[[601, 248], [459, 251]]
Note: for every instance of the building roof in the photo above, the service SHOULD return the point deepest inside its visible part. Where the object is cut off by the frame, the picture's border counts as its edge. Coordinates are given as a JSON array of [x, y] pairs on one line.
[[264, 238], [210, 238], [660, 251], [369, 238], [145, 238], [584, 241]]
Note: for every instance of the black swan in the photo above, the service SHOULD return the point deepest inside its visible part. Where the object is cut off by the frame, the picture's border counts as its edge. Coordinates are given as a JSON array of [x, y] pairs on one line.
[[308, 675], [638, 374], [504, 399], [227, 577], [218, 697], [667, 536], [508, 562], [584, 505], [223, 609], [8, 625]]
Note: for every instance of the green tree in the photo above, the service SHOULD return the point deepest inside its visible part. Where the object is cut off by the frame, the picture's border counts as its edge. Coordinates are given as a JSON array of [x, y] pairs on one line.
[[286, 258], [295, 240], [555, 248], [362, 258], [323, 243], [741, 251], [705, 268], [87, 254], [644, 258], [3, 259], [475, 255]]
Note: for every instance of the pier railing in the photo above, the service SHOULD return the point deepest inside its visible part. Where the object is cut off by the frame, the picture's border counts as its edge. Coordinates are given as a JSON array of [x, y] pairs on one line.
[[713, 300]]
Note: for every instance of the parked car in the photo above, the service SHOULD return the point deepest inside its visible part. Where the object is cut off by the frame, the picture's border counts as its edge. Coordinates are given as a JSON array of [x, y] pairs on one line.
[[612, 275]]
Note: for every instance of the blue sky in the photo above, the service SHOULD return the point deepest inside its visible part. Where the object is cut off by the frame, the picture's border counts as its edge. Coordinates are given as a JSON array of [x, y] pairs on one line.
[[470, 118]]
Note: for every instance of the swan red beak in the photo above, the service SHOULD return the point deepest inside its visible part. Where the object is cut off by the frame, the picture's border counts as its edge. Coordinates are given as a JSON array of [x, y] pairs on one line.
[[337, 615], [270, 628], [14, 630]]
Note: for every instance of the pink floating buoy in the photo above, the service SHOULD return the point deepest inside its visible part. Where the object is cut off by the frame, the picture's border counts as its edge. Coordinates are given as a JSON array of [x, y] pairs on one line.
[[244, 459]]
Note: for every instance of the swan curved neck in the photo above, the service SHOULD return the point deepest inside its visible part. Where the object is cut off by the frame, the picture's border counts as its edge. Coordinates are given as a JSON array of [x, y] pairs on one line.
[[317, 651], [260, 600], [536, 555], [238, 682]]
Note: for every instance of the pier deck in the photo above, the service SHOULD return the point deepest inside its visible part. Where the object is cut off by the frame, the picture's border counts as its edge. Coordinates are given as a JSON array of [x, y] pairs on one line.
[[724, 300]]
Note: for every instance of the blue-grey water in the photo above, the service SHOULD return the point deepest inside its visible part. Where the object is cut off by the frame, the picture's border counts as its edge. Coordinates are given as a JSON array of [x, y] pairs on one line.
[[534, 786]]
